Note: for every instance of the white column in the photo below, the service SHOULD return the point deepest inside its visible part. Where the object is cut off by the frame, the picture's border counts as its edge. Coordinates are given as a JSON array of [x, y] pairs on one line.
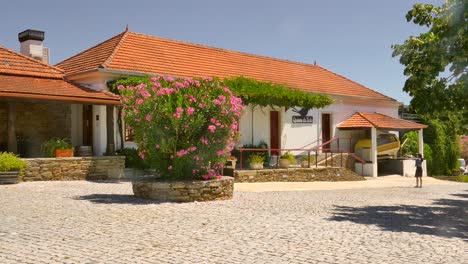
[[374, 151], [421, 142], [421, 150]]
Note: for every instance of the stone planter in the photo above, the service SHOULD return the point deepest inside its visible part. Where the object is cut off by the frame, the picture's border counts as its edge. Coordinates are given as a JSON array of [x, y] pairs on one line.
[[284, 163], [184, 191], [256, 166], [9, 177], [64, 153]]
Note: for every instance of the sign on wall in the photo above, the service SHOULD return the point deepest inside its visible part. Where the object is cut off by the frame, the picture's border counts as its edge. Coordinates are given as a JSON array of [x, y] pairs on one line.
[[302, 118]]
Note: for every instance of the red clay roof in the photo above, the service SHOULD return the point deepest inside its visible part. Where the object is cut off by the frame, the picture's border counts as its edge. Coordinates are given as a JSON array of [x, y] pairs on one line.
[[138, 53], [12, 62], [24, 77], [377, 120]]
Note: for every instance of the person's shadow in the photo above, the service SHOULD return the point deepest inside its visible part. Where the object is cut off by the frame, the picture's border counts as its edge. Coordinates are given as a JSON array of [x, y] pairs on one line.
[[445, 217]]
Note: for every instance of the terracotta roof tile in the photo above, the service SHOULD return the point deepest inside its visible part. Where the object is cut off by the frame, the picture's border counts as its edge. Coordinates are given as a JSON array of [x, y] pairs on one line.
[[133, 52], [377, 120], [51, 89], [24, 77], [12, 62]]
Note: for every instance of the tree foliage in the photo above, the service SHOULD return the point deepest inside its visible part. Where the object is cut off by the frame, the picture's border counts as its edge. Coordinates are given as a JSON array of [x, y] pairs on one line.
[[436, 62], [259, 93], [445, 145]]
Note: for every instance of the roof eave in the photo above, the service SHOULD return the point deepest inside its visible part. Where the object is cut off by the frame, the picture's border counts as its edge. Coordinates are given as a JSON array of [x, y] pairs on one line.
[[75, 99]]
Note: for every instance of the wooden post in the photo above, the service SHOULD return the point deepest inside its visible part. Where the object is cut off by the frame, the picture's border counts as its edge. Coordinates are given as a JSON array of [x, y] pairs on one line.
[[110, 148], [12, 144]]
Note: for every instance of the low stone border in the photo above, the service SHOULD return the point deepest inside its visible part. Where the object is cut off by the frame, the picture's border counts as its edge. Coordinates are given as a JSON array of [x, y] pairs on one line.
[[76, 168], [184, 191], [297, 175]]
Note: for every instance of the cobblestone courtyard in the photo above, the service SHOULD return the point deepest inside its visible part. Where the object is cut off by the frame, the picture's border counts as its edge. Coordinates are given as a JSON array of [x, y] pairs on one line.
[[90, 222]]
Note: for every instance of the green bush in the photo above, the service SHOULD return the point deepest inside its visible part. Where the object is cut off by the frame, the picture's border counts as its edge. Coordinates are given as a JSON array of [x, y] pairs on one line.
[[306, 158], [49, 147], [11, 162], [445, 145], [289, 156], [257, 158], [411, 148], [247, 153], [132, 159]]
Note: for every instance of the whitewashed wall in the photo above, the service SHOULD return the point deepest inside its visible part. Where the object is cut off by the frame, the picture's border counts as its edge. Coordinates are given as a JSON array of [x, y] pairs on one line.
[[261, 125]]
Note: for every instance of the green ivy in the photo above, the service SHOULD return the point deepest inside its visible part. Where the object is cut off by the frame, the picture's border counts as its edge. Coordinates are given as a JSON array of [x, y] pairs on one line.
[[259, 93]]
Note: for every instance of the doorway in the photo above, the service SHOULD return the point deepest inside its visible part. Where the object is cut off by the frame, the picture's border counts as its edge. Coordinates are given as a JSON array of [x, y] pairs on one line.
[[274, 132], [326, 131], [87, 125]]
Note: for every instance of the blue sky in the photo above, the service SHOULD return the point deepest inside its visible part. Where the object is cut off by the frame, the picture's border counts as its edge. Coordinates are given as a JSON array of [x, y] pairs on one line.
[[351, 38]]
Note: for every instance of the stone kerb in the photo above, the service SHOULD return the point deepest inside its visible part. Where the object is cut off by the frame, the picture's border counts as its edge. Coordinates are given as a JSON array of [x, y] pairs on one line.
[[77, 168], [184, 191], [297, 175]]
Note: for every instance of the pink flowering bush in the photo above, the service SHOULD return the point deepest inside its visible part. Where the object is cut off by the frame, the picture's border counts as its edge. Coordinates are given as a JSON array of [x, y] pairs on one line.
[[184, 128]]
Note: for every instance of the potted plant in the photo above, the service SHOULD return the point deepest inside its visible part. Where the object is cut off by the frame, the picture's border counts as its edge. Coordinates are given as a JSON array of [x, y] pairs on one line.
[[11, 166], [256, 161], [306, 161], [57, 147], [287, 159]]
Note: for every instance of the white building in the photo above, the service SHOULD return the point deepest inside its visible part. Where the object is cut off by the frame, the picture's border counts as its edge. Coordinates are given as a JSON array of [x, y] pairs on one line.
[[133, 54]]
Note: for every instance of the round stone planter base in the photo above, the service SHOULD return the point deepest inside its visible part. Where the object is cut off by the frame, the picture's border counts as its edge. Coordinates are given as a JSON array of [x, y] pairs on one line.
[[184, 191]]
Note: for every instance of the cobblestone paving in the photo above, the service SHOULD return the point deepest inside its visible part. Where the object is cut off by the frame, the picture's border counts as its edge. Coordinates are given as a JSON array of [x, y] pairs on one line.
[[89, 222]]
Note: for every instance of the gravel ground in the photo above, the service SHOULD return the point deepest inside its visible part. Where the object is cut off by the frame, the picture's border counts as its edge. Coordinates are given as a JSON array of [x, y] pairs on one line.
[[101, 222]]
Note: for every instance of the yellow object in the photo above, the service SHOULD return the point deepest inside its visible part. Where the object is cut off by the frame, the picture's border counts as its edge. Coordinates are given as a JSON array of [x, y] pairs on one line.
[[387, 144]]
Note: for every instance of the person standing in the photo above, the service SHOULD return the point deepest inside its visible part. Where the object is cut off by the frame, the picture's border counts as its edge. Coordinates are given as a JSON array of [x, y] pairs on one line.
[[418, 174]]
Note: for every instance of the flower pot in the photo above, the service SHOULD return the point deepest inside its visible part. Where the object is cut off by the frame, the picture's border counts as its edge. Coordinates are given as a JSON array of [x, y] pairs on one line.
[[256, 166], [230, 163], [305, 164], [9, 177], [284, 163], [63, 153]]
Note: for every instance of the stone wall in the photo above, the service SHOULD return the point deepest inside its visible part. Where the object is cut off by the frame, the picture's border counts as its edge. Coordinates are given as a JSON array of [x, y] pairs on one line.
[[297, 175], [184, 191], [36, 122], [82, 168]]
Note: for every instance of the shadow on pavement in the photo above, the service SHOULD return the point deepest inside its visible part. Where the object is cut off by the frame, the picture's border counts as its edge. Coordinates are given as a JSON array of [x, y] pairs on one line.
[[115, 199], [445, 217]]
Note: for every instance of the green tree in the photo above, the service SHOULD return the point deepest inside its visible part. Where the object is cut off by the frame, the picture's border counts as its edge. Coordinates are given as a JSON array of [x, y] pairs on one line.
[[436, 62]]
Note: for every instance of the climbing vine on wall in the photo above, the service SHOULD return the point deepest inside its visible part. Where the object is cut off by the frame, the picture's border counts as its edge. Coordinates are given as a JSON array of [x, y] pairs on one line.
[[259, 93]]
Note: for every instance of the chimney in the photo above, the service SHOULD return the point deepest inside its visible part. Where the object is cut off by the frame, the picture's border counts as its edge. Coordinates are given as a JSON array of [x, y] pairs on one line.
[[31, 45]]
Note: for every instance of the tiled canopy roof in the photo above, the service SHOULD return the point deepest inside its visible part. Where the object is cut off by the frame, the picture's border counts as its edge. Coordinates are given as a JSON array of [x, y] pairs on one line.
[[137, 53], [24, 77], [377, 120]]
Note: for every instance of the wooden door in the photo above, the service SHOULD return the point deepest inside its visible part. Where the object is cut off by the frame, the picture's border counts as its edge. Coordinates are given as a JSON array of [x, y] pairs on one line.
[[87, 125], [326, 131], [274, 132]]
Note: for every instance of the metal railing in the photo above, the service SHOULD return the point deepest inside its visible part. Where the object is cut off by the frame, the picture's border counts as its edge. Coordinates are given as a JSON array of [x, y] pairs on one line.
[[324, 148]]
